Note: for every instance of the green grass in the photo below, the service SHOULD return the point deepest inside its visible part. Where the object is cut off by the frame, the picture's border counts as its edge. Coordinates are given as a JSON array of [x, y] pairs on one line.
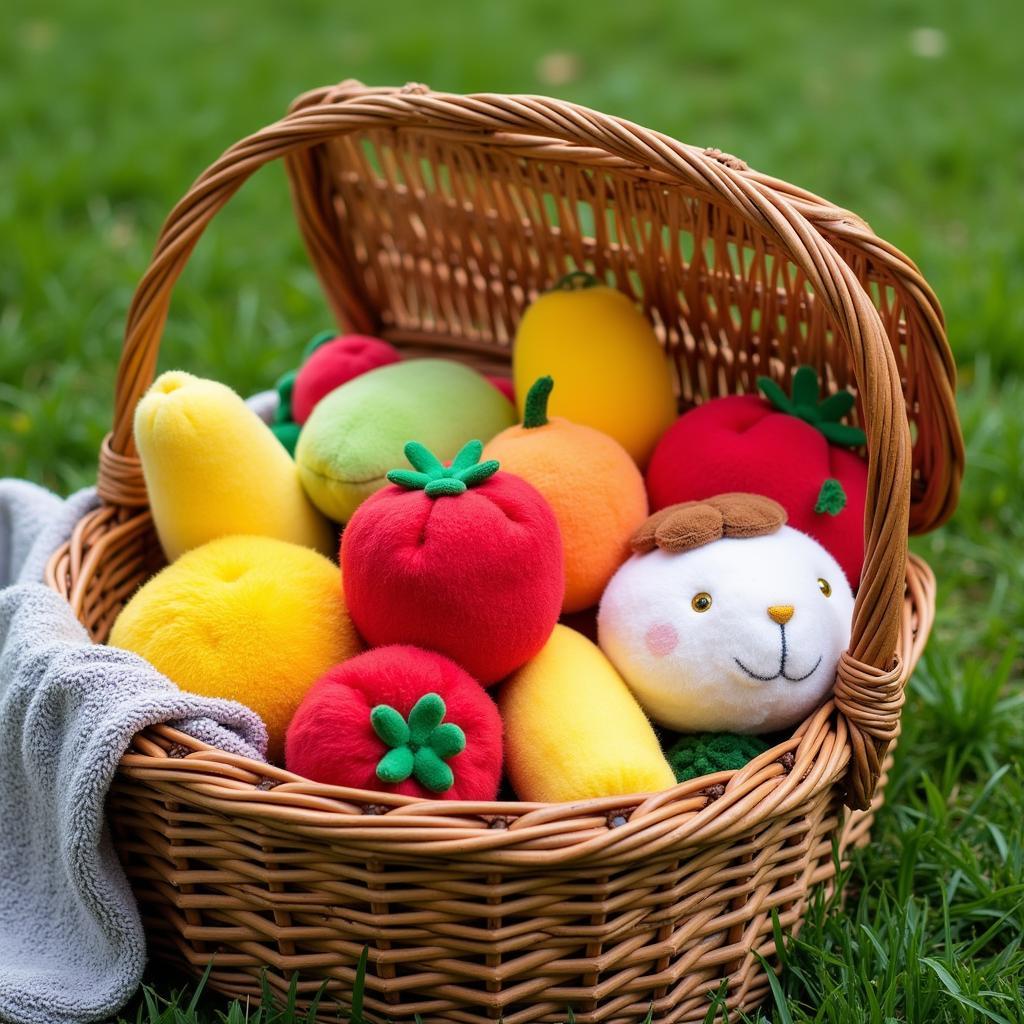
[[907, 112]]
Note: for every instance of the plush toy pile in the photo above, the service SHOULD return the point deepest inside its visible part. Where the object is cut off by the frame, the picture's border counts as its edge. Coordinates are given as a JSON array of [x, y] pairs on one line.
[[433, 583]]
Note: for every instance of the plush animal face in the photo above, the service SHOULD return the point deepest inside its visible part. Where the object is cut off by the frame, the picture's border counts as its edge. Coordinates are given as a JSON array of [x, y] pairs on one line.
[[739, 634]]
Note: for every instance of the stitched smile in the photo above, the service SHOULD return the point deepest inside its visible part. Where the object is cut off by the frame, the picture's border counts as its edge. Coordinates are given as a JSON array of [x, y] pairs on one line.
[[781, 674]]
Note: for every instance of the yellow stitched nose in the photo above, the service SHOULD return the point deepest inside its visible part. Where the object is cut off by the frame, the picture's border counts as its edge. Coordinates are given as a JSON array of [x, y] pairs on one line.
[[781, 613]]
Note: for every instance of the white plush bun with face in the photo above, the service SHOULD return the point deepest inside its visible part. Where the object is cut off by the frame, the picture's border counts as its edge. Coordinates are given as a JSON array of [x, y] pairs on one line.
[[736, 635]]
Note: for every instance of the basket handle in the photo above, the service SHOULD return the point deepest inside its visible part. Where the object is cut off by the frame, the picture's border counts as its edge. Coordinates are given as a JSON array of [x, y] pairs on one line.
[[868, 689]]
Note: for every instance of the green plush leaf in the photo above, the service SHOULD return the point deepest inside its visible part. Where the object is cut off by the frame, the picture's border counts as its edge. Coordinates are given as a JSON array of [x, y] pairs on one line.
[[420, 457], [431, 476], [287, 434], [426, 715], [775, 394], [479, 473], [285, 386], [431, 771], [389, 725], [444, 486], [469, 455], [575, 281], [831, 498], [447, 740], [842, 435], [805, 386], [408, 478], [836, 406], [396, 765], [321, 338]]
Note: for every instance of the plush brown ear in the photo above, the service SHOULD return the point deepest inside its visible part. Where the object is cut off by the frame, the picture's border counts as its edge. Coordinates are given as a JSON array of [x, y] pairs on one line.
[[693, 524], [749, 515]]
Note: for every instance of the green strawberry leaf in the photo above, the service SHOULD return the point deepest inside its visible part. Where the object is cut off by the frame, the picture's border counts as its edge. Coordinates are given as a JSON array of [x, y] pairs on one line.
[[431, 771], [447, 740], [321, 338], [842, 435], [430, 475], [805, 387], [389, 725], [775, 394], [426, 715], [421, 458], [409, 479], [444, 487], [284, 386], [822, 415], [469, 455], [396, 765], [479, 473], [836, 406]]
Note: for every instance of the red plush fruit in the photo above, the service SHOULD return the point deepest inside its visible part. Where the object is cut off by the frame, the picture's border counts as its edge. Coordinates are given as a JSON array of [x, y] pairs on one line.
[[464, 560], [333, 363], [504, 385], [402, 720], [792, 449]]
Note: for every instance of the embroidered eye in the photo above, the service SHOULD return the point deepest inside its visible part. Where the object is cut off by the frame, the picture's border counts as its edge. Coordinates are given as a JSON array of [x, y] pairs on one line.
[[825, 587], [701, 602]]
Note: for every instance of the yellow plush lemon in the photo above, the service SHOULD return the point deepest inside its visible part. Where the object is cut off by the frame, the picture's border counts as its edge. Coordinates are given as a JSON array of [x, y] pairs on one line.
[[612, 373], [250, 619], [574, 731], [213, 469]]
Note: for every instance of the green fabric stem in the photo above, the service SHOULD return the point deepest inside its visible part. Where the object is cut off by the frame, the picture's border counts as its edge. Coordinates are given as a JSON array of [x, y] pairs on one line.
[[285, 386], [823, 415], [321, 338], [420, 747], [430, 475], [575, 281], [536, 412]]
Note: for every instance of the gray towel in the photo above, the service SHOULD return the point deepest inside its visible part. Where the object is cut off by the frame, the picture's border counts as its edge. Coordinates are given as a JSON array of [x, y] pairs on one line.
[[71, 942]]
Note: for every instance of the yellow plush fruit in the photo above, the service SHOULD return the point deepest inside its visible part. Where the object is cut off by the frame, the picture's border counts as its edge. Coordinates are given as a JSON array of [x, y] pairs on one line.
[[214, 469], [590, 482], [250, 619], [574, 731], [612, 373]]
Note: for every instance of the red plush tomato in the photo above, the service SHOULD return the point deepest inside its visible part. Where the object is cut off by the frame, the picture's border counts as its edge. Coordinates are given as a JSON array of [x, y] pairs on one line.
[[401, 720], [333, 363], [464, 560], [792, 449], [504, 385]]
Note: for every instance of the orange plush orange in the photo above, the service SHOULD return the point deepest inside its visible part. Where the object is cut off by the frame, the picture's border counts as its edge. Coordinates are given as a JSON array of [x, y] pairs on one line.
[[591, 483]]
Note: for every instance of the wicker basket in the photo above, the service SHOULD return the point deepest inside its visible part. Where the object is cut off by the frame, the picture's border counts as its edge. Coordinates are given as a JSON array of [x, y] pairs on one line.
[[432, 220]]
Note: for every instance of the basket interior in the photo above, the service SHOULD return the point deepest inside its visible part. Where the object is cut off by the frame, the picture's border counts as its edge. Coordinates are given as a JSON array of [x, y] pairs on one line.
[[438, 240]]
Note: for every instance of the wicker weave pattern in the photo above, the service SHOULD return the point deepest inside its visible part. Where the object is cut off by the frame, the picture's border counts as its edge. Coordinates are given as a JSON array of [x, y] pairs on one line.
[[474, 912], [433, 219]]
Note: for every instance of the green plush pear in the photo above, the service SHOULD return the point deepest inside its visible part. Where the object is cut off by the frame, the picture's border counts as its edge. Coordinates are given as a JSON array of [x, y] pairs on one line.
[[359, 431]]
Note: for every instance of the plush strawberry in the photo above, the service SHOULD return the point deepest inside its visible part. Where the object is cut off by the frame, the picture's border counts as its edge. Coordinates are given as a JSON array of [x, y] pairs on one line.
[[464, 560], [334, 362], [327, 362], [790, 448], [401, 720]]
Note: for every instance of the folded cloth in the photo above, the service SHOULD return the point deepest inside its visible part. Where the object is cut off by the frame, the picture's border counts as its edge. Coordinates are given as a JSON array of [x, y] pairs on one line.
[[72, 947]]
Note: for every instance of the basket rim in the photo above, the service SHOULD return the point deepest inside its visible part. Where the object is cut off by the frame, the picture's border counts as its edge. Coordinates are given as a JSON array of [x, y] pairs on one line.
[[723, 805], [838, 225], [97, 568]]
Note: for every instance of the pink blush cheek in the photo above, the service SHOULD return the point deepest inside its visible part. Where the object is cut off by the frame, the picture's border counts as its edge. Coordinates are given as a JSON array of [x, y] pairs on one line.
[[661, 639]]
